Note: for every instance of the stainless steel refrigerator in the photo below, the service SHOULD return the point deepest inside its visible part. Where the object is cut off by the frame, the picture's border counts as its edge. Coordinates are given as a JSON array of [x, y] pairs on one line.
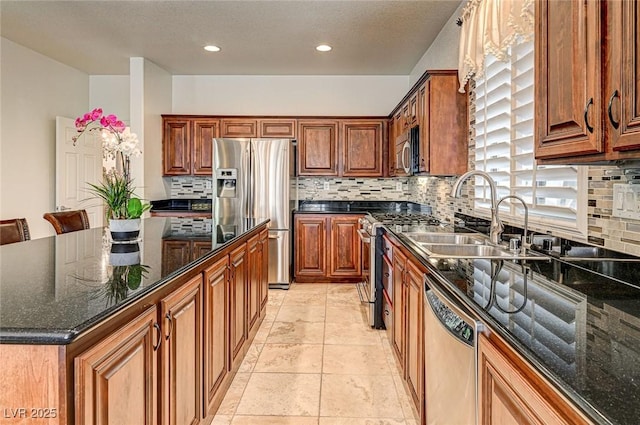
[[252, 179]]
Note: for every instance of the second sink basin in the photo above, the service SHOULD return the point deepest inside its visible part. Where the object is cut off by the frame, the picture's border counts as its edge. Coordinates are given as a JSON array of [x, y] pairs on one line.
[[446, 238], [466, 251]]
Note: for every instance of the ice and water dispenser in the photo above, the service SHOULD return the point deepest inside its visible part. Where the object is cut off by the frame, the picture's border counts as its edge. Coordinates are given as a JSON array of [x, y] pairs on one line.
[[226, 181]]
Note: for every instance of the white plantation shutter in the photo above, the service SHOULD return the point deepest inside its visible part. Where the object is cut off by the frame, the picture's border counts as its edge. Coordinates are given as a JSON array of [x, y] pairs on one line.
[[504, 149]]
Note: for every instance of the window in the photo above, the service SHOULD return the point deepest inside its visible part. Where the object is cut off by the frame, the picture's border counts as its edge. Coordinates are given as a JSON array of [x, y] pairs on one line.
[[555, 195]]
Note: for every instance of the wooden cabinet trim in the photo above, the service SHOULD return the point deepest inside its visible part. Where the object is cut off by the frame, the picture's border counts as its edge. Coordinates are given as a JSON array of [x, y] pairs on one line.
[[238, 127]]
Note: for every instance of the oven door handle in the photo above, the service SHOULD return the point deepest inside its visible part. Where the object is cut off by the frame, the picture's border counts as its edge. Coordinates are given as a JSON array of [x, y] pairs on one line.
[[364, 236]]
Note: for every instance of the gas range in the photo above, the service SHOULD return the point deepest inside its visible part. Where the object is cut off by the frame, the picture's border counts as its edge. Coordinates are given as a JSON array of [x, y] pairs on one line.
[[398, 221]]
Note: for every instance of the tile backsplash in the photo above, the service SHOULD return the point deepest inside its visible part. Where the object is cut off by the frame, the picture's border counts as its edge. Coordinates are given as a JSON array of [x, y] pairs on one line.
[[190, 187], [351, 189], [618, 234]]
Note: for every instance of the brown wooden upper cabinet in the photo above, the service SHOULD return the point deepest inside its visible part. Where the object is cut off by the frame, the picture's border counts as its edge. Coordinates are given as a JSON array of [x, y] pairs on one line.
[[441, 113], [275, 128], [362, 148], [349, 148], [444, 122], [187, 145], [318, 148], [587, 81]]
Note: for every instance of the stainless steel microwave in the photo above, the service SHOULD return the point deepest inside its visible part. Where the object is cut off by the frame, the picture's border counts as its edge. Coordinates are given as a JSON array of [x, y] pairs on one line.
[[408, 151]]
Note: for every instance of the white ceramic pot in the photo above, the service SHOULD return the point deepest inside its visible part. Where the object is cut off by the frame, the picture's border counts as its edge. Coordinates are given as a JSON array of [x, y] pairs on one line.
[[124, 230]]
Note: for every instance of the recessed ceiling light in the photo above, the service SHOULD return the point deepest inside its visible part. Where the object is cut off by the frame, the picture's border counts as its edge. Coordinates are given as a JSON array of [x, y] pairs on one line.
[[323, 48], [212, 48]]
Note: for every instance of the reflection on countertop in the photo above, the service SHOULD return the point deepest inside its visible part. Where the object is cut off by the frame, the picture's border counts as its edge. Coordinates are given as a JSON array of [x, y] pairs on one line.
[[54, 288]]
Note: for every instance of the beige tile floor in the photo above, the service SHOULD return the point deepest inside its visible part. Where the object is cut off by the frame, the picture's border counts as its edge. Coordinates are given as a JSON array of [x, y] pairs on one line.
[[316, 361]]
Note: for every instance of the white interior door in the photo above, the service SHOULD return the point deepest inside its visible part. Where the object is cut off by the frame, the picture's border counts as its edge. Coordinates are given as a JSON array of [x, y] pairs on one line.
[[76, 166]]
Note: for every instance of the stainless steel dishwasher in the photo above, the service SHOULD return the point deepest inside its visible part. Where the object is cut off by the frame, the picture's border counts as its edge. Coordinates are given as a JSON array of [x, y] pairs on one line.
[[450, 338]]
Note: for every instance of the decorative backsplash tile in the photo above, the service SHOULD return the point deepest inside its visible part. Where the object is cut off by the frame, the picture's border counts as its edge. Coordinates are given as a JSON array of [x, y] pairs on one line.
[[191, 187], [348, 189], [190, 227]]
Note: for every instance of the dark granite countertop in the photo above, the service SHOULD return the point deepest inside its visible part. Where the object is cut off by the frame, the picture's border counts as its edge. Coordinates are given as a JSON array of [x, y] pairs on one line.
[[576, 322], [53, 289], [360, 207]]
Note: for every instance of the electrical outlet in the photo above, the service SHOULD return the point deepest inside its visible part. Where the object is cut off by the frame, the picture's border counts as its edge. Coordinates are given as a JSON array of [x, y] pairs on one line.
[[626, 201], [399, 186], [326, 186]]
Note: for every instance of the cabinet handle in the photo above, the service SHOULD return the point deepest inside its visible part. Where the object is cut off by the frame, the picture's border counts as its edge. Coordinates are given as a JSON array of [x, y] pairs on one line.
[[168, 317], [386, 312], [613, 122], [159, 331], [386, 275], [586, 115]]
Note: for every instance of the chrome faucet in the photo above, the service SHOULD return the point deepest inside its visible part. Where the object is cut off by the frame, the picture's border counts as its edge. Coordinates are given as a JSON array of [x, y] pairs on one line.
[[496, 228], [524, 240]]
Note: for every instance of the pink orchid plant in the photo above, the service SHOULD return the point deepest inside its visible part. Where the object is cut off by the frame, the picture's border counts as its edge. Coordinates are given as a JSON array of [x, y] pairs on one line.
[[119, 144]]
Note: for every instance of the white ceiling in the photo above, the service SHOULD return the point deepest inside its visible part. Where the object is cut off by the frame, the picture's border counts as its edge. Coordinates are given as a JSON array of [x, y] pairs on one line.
[[383, 37]]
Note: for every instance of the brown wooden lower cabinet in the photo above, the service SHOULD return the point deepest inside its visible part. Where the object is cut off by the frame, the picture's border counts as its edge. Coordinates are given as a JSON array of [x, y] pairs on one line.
[[327, 248], [511, 392], [399, 294], [116, 381], [414, 335], [254, 281], [238, 304], [407, 333], [216, 333], [181, 354], [264, 282]]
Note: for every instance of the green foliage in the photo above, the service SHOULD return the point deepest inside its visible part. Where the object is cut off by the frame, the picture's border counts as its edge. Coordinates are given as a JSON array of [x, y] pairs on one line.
[[135, 207], [117, 193]]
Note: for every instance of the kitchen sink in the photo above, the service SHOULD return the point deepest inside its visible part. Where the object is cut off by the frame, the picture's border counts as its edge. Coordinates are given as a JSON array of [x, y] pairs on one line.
[[475, 251], [446, 238]]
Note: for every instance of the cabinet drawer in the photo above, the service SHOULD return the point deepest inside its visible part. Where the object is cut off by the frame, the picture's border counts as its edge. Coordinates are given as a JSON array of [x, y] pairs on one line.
[[277, 128], [387, 249]]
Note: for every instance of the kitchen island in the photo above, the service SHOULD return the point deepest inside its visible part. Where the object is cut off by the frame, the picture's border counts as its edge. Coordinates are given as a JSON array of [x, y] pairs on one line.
[[95, 332]]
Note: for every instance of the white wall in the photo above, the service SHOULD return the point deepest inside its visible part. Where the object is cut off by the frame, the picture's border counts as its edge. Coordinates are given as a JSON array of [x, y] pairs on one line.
[[443, 52], [157, 101], [35, 89], [287, 95], [111, 93]]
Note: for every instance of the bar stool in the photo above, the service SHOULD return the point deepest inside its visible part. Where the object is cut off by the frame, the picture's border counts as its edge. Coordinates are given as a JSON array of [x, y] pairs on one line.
[[68, 221], [14, 230]]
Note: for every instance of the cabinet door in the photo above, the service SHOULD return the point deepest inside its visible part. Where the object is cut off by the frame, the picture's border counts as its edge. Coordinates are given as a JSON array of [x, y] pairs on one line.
[[413, 109], [345, 250], [239, 127], [622, 123], [423, 121], [215, 330], [318, 148], [116, 380], [176, 147], [238, 302], [204, 131], [175, 254], [362, 148], [414, 335], [391, 147], [264, 284], [399, 293], [311, 236], [277, 128], [254, 280], [200, 249], [510, 392], [181, 313], [568, 78]]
